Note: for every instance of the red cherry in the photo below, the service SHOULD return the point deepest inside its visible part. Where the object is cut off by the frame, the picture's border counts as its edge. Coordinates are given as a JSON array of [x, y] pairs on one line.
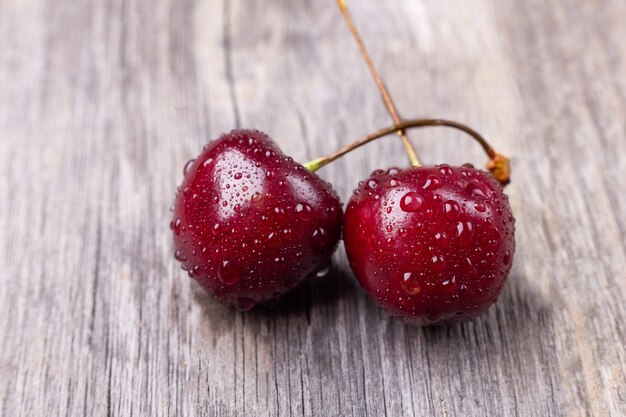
[[430, 244], [250, 223]]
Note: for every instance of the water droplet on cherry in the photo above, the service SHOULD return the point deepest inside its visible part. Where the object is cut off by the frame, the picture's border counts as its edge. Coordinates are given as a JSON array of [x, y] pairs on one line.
[[280, 262], [320, 237], [411, 202], [187, 166], [465, 232], [451, 209], [441, 239], [507, 257], [304, 210], [409, 284], [476, 189], [432, 183], [445, 169], [175, 226], [438, 262], [227, 273], [450, 284], [480, 207], [469, 268], [372, 183]]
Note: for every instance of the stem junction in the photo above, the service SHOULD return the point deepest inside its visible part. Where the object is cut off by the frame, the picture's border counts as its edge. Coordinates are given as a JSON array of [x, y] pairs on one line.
[[498, 165]]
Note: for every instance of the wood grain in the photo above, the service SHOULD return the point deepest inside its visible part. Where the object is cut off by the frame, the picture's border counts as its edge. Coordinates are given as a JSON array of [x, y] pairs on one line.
[[101, 104]]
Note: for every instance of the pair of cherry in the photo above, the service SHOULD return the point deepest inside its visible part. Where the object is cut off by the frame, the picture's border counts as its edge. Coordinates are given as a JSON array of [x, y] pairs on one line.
[[428, 244]]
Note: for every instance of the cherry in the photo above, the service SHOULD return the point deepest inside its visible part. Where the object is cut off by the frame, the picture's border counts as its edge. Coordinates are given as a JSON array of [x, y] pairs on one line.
[[249, 223], [430, 244]]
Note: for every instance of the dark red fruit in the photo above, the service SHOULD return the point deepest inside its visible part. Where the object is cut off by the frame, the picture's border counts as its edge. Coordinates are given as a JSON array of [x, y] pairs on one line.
[[250, 223], [430, 244]]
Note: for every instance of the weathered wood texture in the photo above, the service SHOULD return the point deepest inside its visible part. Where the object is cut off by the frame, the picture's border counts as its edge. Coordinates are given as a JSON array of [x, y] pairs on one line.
[[101, 104]]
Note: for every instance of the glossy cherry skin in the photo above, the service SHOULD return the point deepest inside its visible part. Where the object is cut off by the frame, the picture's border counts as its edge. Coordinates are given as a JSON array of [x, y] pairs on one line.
[[430, 244], [249, 223]]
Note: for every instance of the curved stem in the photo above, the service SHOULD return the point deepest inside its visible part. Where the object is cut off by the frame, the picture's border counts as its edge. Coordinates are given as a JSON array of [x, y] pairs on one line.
[[413, 158], [498, 164]]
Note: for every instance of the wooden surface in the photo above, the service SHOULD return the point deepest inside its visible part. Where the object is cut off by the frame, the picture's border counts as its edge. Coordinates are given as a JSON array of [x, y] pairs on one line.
[[101, 104]]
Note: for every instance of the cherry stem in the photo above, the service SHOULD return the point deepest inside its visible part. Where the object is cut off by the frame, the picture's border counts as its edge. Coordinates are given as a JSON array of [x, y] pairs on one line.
[[410, 150], [498, 164]]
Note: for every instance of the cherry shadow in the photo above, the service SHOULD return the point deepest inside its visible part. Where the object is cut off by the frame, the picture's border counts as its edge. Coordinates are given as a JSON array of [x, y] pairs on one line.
[[322, 292], [319, 292], [515, 338]]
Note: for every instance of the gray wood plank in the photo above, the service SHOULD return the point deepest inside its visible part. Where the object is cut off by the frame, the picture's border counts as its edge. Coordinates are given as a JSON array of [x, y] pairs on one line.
[[101, 104]]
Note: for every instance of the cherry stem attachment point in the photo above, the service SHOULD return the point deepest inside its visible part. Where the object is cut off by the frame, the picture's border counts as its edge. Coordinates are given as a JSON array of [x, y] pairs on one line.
[[413, 158], [498, 164]]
